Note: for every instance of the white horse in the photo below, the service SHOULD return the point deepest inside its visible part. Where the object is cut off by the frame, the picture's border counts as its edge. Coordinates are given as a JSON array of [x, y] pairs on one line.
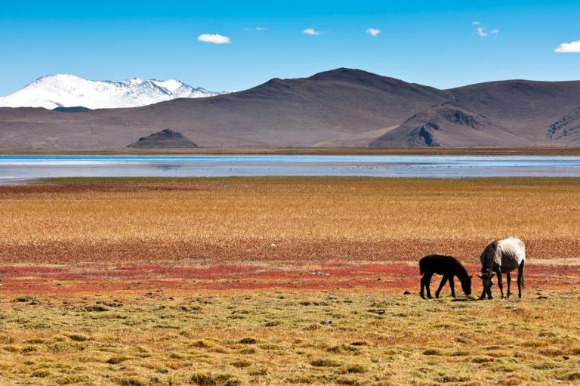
[[502, 256]]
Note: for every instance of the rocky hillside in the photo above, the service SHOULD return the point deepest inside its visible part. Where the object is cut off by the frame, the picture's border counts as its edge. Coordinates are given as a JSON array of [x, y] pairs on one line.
[[164, 139]]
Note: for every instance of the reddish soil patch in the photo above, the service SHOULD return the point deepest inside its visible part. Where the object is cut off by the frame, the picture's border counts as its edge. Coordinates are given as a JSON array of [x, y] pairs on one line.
[[384, 278], [11, 191], [262, 251]]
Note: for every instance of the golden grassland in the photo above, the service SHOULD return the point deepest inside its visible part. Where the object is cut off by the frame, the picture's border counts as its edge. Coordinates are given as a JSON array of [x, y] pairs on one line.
[[239, 281], [290, 219]]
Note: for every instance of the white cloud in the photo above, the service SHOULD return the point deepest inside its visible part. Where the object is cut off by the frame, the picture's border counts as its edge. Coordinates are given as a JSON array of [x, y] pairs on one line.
[[373, 31], [568, 48], [258, 28], [311, 31], [483, 32], [214, 39]]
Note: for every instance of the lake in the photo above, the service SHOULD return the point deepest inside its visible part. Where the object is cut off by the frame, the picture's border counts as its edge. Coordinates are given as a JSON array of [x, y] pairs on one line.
[[16, 168]]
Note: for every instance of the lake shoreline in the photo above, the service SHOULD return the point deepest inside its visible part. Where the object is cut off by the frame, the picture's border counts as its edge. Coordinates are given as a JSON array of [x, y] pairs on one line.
[[562, 151], [19, 168]]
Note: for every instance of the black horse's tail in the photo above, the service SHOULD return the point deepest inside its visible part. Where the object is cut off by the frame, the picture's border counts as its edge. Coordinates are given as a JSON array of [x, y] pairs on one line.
[[421, 267]]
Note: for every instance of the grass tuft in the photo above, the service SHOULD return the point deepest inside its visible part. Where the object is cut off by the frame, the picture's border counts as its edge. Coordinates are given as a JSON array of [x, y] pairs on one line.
[[96, 308], [209, 379], [40, 374], [324, 363], [242, 364], [354, 369], [78, 337], [117, 360]]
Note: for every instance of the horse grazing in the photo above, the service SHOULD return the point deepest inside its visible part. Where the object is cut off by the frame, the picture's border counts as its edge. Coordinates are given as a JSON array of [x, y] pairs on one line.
[[447, 266], [502, 256]]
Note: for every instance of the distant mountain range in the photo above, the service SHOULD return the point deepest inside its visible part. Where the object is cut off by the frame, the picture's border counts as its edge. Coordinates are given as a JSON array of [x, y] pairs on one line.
[[69, 91], [342, 107]]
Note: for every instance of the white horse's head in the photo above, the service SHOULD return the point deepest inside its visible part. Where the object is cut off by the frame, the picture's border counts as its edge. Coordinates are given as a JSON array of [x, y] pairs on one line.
[[486, 279]]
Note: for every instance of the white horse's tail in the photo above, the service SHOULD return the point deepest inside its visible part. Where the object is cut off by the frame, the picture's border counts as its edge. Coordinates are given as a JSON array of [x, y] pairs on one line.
[[523, 274]]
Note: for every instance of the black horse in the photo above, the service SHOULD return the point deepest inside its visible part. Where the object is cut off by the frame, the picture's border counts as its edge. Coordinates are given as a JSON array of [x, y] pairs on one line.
[[447, 266]]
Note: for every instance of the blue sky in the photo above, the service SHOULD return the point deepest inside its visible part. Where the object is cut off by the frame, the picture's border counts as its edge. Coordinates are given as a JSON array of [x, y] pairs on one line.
[[432, 42]]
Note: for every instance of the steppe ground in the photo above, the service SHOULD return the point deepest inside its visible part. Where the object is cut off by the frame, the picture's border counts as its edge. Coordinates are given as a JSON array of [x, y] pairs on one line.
[[282, 280]]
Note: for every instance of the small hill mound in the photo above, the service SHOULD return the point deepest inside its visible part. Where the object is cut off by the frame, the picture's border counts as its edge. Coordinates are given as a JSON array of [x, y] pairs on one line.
[[74, 109], [164, 138], [448, 125]]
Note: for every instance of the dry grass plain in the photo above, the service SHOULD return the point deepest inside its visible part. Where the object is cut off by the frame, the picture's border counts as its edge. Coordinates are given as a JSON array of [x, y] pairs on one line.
[[281, 281], [296, 220], [167, 338]]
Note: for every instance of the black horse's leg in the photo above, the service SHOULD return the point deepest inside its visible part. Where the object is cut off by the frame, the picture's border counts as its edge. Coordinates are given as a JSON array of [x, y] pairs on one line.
[[452, 285], [520, 279], [423, 285], [499, 282], [443, 281], [428, 284], [509, 283]]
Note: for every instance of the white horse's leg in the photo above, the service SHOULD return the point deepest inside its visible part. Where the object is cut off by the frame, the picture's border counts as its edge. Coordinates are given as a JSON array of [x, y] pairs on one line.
[[483, 293], [509, 284], [520, 279], [499, 282]]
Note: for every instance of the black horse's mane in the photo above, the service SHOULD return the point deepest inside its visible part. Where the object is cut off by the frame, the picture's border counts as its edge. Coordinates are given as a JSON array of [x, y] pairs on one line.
[[464, 272]]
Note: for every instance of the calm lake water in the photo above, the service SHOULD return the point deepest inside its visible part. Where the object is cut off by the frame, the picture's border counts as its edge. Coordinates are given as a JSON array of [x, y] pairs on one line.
[[14, 168]]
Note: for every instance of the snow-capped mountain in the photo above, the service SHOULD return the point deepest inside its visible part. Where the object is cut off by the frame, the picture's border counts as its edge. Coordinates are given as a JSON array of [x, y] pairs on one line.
[[55, 91]]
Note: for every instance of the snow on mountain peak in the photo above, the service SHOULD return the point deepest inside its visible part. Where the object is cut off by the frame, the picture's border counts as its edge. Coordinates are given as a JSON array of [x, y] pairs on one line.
[[134, 81], [66, 90]]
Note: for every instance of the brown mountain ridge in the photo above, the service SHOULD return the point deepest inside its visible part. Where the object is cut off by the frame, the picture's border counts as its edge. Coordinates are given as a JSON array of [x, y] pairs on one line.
[[342, 107]]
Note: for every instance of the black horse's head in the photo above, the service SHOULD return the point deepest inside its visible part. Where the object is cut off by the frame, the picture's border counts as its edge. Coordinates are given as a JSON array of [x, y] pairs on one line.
[[466, 285]]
